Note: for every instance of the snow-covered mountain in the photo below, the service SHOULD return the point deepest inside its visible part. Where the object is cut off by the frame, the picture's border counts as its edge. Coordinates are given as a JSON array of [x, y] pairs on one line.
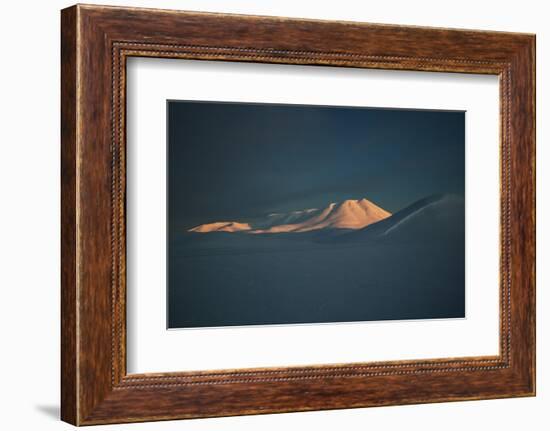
[[349, 214], [410, 264]]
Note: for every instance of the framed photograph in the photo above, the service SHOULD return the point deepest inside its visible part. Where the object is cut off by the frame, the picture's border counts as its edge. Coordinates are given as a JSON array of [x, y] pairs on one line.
[[264, 215], [268, 222]]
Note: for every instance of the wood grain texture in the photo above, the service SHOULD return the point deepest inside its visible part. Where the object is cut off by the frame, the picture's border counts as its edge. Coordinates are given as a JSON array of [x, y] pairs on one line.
[[69, 397], [96, 41]]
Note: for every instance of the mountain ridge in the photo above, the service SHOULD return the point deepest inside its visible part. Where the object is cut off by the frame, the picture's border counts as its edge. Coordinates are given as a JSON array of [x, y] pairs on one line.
[[351, 214]]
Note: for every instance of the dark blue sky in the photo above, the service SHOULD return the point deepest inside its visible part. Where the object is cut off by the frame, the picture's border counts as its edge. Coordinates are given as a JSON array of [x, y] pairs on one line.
[[228, 161]]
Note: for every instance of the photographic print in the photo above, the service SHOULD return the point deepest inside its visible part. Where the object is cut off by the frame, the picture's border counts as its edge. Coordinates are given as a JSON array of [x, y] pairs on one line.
[[293, 214]]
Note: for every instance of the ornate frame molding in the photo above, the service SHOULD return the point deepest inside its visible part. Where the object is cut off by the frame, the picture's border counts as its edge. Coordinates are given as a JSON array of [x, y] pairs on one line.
[[96, 41]]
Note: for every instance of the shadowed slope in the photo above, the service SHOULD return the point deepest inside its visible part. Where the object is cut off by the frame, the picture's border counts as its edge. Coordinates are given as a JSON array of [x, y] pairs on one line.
[[431, 218]]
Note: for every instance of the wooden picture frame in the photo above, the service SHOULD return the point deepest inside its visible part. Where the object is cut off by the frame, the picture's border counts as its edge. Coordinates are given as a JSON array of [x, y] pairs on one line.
[[95, 43]]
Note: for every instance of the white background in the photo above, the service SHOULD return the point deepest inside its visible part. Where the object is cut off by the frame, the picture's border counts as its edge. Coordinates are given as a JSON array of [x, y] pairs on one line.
[[29, 224], [151, 348]]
